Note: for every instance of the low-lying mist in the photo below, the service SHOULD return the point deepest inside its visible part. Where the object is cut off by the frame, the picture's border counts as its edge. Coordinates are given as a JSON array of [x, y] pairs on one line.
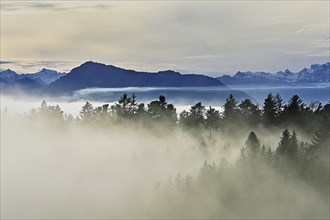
[[115, 165], [77, 171]]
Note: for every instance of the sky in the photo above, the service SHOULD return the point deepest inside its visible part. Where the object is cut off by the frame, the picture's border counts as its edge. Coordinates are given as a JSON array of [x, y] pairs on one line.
[[207, 37]]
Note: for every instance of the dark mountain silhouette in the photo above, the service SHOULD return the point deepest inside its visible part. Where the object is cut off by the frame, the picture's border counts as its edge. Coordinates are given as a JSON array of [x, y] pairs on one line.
[[97, 75]]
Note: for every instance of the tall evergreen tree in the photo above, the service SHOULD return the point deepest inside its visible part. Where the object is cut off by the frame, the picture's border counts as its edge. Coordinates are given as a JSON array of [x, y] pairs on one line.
[[87, 113], [252, 145], [250, 113], [318, 167], [293, 147], [126, 106], [320, 145], [287, 157], [212, 121], [230, 116], [184, 118], [269, 110], [279, 104], [295, 106], [196, 115], [284, 143], [230, 108], [294, 110], [160, 110], [49, 112], [251, 153]]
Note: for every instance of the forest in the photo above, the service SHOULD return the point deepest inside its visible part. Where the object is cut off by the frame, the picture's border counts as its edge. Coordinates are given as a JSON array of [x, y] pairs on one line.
[[269, 161]]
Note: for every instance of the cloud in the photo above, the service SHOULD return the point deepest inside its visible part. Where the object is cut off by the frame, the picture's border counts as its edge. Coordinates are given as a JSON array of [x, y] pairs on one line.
[[198, 57], [22, 5], [6, 62], [50, 6], [196, 36], [29, 66]]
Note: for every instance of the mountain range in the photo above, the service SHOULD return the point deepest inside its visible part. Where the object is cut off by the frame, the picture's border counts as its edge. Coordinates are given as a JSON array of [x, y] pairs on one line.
[[97, 75], [43, 77], [317, 73]]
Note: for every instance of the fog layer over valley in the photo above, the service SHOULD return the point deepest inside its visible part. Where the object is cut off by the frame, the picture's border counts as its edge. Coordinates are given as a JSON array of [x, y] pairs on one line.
[[86, 172], [136, 160]]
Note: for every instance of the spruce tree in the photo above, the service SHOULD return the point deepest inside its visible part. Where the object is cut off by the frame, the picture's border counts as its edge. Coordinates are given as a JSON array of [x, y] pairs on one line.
[[294, 110], [318, 166], [160, 110], [295, 106], [278, 106], [230, 108], [269, 110], [283, 147], [197, 119], [87, 113], [293, 147], [252, 145], [212, 121], [284, 142], [250, 113]]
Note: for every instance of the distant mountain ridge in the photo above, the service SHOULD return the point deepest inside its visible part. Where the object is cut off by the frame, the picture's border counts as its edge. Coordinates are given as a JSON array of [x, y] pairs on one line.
[[43, 77], [46, 75], [98, 75], [317, 73]]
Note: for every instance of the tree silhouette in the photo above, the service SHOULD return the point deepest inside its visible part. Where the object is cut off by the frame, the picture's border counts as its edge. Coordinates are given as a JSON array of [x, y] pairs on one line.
[[160, 110], [212, 121], [195, 118], [197, 115], [53, 113], [279, 105], [295, 106], [269, 110], [250, 113], [317, 169], [294, 110], [293, 147], [252, 145], [230, 119], [184, 120], [141, 111], [230, 108], [102, 113], [284, 143], [87, 114], [287, 157], [125, 107]]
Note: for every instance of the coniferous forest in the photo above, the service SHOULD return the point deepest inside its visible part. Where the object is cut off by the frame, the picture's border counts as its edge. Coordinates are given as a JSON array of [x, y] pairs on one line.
[[249, 161]]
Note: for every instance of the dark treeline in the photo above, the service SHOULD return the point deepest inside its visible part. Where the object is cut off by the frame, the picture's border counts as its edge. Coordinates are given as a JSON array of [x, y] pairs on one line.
[[262, 178], [273, 114]]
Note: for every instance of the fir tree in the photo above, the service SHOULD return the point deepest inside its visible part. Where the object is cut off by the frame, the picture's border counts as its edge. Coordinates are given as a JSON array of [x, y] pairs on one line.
[[252, 145], [230, 108], [87, 113], [212, 121], [269, 109]]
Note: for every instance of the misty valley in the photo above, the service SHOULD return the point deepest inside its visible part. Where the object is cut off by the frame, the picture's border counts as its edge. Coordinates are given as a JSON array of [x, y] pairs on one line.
[[165, 109], [141, 153]]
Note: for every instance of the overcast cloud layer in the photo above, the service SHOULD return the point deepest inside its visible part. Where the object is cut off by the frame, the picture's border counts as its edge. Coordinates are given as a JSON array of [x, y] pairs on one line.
[[200, 37]]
